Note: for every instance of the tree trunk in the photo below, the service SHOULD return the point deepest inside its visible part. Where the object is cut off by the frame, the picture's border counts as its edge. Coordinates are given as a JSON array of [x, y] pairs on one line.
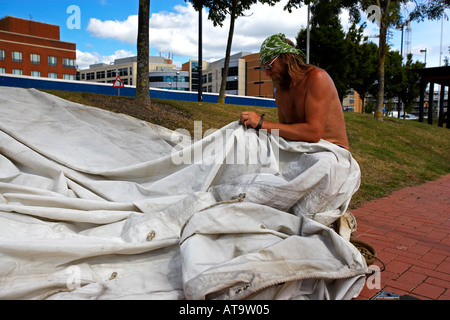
[[223, 84], [143, 52], [384, 22], [381, 63]]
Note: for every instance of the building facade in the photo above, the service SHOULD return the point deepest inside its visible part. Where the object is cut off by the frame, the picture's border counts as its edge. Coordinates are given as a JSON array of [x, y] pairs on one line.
[[126, 68], [245, 76], [170, 79], [192, 68], [258, 83], [236, 84], [33, 48], [352, 102]]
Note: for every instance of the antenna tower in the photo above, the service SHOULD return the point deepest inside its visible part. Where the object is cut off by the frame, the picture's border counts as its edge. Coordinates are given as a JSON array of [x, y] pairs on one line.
[[408, 38]]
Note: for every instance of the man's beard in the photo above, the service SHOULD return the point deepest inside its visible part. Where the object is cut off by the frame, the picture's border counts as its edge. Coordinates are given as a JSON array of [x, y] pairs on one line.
[[282, 80]]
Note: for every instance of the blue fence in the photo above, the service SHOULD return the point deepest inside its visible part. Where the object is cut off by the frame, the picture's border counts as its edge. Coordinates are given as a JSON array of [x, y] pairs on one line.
[[7, 80]]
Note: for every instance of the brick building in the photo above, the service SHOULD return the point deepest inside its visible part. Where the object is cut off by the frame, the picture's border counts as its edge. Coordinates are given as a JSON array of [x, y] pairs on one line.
[[34, 49], [258, 83]]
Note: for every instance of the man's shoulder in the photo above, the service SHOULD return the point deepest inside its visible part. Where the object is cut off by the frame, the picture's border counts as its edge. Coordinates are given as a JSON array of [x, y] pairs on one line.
[[317, 72], [319, 78]]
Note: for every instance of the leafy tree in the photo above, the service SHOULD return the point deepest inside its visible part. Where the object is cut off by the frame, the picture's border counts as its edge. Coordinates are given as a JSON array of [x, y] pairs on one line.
[[143, 53], [363, 67], [411, 89], [395, 78], [328, 48], [388, 15], [429, 9]]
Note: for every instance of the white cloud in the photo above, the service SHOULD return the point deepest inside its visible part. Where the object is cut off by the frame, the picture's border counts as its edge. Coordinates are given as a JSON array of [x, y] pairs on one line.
[[177, 32], [125, 31], [84, 59]]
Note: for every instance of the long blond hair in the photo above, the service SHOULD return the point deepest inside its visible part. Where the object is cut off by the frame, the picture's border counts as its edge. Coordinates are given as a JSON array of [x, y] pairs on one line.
[[295, 63]]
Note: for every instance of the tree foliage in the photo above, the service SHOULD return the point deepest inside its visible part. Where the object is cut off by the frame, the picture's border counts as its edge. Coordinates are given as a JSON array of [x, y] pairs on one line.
[[363, 64], [328, 49], [411, 89], [429, 9]]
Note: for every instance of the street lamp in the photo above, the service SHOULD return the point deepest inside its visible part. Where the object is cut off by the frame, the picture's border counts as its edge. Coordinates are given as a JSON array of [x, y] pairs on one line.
[[422, 51]]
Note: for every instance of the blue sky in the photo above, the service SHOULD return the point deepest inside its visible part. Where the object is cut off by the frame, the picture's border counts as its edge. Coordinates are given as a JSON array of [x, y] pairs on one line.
[[108, 29]]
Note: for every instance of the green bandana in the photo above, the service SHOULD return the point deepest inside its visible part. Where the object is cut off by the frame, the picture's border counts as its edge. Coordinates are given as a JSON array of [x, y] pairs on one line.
[[274, 46]]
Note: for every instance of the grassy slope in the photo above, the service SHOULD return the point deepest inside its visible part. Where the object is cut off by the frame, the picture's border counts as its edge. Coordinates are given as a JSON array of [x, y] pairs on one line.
[[392, 154]]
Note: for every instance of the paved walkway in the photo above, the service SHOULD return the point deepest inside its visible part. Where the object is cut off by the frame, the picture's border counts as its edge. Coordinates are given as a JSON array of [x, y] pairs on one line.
[[410, 231]]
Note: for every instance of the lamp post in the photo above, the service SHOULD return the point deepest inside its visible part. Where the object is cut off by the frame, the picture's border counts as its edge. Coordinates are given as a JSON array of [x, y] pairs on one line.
[[200, 58], [422, 51]]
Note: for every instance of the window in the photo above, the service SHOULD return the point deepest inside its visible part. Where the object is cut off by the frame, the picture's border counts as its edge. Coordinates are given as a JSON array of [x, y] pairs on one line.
[[2, 70], [53, 75], [16, 56], [232, 85], [123, 72], [52, 61], [35, 58], [100, 75], [18, 72], [68, 63], [2, 54], [111, 73], [35, 73], [69, 77], [232, 71], [90, 76]]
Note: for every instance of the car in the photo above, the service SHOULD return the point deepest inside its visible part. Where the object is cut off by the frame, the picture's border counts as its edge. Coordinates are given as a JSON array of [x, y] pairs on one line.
[[410, 117]]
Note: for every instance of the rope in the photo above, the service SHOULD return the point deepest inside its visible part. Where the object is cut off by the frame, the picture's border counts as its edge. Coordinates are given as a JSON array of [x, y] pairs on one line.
[[55, 291], [240, 198], [368, 252]]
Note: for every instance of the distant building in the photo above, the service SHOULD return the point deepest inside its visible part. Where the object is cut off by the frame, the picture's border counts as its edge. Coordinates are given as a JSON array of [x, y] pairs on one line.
[[192, 67], [170, 79], [245, 76], [34, 49], [126, 68], [352, 102], [258, 83]]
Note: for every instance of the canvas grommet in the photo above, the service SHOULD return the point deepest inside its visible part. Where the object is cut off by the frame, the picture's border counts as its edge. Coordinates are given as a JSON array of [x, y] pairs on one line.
[[151, 235]]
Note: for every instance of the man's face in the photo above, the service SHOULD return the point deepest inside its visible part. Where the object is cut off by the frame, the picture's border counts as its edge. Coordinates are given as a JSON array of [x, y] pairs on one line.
[[269, 67], [277, 70]]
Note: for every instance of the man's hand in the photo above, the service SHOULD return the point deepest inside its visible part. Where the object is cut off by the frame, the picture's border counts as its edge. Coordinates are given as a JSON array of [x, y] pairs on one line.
[[250, 119]]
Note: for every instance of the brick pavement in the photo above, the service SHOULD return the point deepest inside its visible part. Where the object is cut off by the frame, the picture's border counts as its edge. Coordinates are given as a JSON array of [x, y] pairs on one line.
[[410, 231]]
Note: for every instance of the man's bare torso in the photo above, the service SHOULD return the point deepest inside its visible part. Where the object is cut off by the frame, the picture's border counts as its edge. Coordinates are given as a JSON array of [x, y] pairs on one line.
[[292, 108]]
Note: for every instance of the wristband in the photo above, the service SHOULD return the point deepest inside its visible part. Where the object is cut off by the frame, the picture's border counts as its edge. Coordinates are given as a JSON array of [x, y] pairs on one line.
[[260, 122]]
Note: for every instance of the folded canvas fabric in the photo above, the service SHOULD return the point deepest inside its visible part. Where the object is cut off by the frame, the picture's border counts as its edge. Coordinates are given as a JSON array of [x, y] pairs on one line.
[[98, 205]]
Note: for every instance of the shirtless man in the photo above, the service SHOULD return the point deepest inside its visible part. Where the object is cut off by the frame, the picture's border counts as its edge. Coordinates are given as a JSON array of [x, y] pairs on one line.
[[308, 104]]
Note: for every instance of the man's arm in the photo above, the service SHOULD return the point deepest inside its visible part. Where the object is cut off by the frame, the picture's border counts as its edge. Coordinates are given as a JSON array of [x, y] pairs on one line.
[[320, 89]]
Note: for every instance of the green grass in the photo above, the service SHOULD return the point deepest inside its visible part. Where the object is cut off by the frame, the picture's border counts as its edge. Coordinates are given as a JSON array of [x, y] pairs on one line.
[[392, 153]]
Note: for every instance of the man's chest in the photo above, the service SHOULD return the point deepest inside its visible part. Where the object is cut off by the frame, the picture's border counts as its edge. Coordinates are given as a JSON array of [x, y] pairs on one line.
[[291, 106]]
